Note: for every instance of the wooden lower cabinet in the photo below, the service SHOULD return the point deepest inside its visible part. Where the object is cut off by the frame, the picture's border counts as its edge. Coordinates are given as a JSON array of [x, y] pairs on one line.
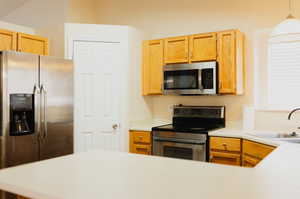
[[225, 144], [21, 197], [239, 152], [225, 150], [142, 149], [225, 158], [255, 149], [254, 152], [249, 161], [140, 142]]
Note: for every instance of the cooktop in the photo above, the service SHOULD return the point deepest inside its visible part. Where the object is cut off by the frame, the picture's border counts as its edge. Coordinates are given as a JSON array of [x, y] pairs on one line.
[[171, 127]]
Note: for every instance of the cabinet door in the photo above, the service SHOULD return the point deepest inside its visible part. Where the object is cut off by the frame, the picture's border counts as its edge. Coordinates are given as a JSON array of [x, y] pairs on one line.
[[256, 150], [176, 50], [203, 47], [32, 44], [225, 158], [227, 62], [21, 197], [152, 67], [8, 40], [249, 161]]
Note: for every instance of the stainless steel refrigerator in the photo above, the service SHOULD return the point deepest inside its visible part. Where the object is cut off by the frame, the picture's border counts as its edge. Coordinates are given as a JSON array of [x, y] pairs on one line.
[[36, 114]]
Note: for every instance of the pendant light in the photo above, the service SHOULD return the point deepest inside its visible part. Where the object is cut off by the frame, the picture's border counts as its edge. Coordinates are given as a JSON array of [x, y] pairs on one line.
[[290, 25]]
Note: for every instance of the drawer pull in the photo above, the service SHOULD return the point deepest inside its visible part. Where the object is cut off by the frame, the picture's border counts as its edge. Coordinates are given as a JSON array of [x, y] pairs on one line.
[[141, 149]]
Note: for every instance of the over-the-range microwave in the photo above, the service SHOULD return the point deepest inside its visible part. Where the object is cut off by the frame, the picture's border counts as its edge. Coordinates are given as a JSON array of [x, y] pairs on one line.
[[191, 79]]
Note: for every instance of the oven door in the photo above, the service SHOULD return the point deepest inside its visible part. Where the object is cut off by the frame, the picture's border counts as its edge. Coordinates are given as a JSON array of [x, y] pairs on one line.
[[179, 148]]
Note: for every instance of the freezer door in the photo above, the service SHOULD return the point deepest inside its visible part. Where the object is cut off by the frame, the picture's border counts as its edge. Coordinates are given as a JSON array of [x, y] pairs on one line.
[[19, 76], [56, 81]]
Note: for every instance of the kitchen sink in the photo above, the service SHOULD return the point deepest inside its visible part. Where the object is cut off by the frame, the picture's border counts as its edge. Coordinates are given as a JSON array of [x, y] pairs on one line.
[[286, 137]]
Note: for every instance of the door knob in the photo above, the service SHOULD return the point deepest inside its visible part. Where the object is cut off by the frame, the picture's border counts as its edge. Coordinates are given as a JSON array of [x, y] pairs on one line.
[[115, 126]]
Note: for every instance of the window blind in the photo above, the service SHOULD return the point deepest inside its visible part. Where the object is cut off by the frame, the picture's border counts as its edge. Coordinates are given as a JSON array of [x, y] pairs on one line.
[[284, 74]]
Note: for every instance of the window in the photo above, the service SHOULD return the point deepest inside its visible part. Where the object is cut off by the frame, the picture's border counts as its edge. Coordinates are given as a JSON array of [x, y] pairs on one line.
[[283, 90]]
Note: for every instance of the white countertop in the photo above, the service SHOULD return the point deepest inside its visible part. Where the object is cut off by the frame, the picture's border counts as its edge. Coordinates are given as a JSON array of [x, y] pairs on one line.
[[111, 175], [146, 125], [246, 134]]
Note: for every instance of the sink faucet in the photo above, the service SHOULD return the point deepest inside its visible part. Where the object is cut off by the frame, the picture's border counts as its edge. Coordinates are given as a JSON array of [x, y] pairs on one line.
[[293, 111]]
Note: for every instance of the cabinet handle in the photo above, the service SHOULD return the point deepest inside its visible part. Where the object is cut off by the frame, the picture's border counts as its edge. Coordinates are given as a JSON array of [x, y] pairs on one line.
[[225, 146], [140, 137]]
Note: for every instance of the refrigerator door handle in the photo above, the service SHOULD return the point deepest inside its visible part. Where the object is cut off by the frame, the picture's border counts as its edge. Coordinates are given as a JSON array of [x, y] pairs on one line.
[[37, 106], [44, 115]]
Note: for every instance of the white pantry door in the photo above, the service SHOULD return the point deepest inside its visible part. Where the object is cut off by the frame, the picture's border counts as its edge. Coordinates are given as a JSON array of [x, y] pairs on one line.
[[97, 95]]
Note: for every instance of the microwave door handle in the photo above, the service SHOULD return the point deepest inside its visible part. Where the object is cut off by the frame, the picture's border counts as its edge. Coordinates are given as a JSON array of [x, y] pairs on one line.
[[200, 79]]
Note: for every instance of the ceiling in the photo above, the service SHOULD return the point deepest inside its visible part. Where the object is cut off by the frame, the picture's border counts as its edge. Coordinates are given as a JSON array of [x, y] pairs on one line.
[[8, 6]]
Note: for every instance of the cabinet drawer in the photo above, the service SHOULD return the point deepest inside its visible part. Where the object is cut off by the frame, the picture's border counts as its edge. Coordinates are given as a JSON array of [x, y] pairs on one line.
[[225, 144], [225, 158], [141, 137], [142, 149], [249, 161], [255, 149]]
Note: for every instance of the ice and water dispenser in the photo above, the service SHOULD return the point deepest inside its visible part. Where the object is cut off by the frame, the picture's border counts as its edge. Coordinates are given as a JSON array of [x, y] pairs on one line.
[[21, 114]]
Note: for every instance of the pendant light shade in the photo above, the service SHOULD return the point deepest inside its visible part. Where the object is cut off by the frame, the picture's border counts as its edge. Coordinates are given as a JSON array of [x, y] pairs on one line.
[[290, 25]]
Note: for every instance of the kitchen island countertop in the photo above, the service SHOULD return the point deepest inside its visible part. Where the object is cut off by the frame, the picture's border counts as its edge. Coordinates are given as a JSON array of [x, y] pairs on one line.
[[111, 175]]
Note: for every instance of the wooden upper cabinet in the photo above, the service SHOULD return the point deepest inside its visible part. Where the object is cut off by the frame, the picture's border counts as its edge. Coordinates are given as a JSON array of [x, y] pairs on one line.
[[203, 47], [153, 67], [230, 61], [8, 40], [33, 44], [225, 47], [176, 50]]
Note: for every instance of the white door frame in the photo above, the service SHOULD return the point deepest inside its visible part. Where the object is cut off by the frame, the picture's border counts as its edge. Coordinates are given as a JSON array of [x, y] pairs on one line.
[[109, 33]]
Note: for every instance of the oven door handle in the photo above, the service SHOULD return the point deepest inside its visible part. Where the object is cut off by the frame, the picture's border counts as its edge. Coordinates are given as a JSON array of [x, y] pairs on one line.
[[182, 141]]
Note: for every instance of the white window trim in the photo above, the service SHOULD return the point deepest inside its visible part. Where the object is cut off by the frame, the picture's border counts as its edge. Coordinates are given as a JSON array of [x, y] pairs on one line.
[[260, 54]]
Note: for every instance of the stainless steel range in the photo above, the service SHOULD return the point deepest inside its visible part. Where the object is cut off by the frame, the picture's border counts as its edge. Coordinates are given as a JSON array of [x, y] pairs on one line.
[[187, 137]]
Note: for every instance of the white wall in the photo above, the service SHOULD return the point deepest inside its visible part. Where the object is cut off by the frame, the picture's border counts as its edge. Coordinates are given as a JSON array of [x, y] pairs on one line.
[[176, 17], [17, 28], [82, 11], [46, 17], [140, 107]]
